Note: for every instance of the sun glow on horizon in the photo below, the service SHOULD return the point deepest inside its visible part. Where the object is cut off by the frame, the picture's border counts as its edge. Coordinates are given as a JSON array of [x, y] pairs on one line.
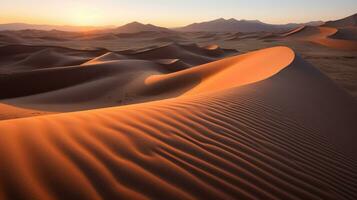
[[84, 15], [85, 18]]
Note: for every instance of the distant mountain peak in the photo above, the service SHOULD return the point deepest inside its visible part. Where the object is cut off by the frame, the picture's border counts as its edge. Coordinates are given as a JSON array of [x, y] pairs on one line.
[[135, 23], [232, 24], [232, 20], [218, 20], [139, 27], [242, 25]]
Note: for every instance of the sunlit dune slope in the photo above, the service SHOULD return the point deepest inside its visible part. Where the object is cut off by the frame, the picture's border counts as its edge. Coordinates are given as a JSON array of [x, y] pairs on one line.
[[229, 72], [284, 132]]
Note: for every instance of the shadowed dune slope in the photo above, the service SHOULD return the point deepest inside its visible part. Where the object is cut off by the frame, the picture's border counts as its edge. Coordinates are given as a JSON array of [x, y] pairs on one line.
[[190, 53], [288, 136], [100, 83], [347, 33], [9, 39], [110, 56], [349, 21], [22, 58], [110, 79]]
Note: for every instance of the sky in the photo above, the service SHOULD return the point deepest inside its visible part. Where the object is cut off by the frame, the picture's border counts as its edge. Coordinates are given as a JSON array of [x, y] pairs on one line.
[[170, 13]]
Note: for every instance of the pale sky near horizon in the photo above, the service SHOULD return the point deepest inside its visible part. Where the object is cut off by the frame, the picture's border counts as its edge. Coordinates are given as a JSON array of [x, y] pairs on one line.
[[170, 13]]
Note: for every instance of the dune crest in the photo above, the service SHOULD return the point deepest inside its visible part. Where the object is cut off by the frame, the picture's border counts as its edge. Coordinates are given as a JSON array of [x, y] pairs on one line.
[[220, 110], [109, 56], [230, 72], [236, 139], [100, 79]]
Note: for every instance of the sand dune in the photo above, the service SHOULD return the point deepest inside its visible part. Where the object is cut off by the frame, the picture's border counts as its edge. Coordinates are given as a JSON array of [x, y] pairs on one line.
[[90, 37], [13, 112], [24, 58], [227, 73], [328, 36], [349, 21], [190, 53], [173, 65], [110, 79], [109, 56], [82, 83], [48, 57], [247, 36], [348, 33], [144, 112], [245, 127], [148, 34], [10, 39]]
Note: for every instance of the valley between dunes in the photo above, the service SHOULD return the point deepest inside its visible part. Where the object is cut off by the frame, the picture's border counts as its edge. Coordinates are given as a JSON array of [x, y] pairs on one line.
[[137, 125]]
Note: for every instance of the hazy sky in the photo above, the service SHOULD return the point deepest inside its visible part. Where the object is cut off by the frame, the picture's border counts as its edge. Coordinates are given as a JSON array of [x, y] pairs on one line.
[[170, 13]]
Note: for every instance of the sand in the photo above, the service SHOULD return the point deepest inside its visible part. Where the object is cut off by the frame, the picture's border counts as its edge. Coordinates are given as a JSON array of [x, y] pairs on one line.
[[334, 55], [110, 79], [160, 114], [343, 39], [243, 127]]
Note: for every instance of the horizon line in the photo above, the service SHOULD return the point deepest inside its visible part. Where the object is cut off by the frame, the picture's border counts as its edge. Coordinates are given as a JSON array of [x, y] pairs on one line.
[[169, 27], [111, 25]]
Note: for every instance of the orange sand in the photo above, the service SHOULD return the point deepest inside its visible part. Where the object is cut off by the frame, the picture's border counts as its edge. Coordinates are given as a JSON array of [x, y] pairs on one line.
[[245, 127]]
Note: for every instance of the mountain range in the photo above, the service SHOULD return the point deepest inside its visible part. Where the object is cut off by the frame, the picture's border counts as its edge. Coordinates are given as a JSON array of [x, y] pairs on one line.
[[139, 27], [233, 25], [218, 25]]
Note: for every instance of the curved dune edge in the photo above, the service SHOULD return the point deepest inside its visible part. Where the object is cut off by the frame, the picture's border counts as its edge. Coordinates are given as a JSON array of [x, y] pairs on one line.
[[292, 32], [212, 47], [327, 40], [13, 112], [109, 56], [245, 142], [101, 82], [230, 72], [102, 79], [323, 36], [346, 33]]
